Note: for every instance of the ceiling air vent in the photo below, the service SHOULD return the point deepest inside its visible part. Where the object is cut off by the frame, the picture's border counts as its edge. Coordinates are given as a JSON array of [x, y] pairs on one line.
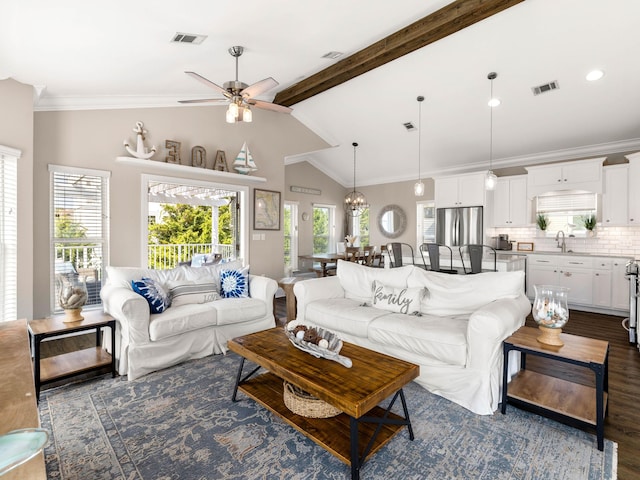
[[332, 55], [547, 87], [188, 38], [409, 126]]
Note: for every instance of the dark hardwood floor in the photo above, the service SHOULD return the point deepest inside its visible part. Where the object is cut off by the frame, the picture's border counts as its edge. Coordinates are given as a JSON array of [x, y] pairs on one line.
[[623, 421]]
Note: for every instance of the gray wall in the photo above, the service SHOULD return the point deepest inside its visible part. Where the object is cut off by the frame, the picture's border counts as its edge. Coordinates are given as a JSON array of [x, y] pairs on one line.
[[16, 131], [303, 174], [93, 139]]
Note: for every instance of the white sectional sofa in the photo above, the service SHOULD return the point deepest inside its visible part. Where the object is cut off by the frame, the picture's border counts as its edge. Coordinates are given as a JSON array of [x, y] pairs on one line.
[[452, 326], [195, 328]]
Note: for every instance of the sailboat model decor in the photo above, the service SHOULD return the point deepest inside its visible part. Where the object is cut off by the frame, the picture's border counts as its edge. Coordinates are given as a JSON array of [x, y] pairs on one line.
[[244, 163]]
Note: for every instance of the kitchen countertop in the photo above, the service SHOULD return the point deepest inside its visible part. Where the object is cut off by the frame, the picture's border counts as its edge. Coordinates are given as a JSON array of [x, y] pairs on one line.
[[568, 254]]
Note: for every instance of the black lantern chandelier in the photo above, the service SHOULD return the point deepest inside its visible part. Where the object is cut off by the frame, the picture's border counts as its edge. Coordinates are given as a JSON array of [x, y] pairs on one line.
[[355, 202]]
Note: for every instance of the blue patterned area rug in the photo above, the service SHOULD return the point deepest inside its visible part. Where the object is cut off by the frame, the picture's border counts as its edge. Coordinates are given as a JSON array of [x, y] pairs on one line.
[[180, 423]]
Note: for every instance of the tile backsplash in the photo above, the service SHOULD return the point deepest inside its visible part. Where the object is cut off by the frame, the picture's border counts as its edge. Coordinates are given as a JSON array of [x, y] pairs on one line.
[[622, 241]]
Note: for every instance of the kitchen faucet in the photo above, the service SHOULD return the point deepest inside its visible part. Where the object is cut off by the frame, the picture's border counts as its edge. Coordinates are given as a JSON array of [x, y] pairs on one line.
[[562, 246]]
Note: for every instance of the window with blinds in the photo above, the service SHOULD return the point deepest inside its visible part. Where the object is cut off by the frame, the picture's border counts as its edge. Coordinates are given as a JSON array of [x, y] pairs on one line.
[[79, 227], [567, 212], [8, 236]]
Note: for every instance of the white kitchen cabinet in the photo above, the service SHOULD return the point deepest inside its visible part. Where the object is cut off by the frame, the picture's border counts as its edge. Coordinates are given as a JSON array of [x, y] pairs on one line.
[[597, 282], [576, 274], [602, 282], [615, 197], [566, 271], [460, 191], [634, 191], [543, 272], [619, 284], [578, 175], [510, 202]]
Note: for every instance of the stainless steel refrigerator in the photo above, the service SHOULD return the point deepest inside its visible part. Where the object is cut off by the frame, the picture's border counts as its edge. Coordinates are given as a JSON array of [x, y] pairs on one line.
[[459, 226]]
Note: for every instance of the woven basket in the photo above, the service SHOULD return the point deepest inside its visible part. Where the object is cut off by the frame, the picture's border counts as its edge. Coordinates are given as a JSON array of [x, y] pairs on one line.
[[306, 405]]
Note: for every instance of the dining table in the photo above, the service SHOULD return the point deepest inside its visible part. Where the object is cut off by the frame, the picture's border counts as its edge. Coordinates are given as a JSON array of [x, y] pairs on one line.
[[324, 259]]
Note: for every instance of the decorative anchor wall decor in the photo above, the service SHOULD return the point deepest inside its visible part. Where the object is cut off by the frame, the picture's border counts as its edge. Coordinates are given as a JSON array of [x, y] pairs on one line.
[[141, 151]]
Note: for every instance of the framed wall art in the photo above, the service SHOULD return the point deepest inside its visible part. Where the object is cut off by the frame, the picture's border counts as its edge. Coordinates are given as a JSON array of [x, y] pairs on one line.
[[266, 210]]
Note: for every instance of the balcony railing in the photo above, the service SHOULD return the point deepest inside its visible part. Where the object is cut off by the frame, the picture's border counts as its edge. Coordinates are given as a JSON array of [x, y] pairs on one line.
[[168, 256], [86, 260]]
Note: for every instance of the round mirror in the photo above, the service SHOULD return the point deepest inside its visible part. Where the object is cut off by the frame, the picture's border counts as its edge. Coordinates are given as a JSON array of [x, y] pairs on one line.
[[392, 221]]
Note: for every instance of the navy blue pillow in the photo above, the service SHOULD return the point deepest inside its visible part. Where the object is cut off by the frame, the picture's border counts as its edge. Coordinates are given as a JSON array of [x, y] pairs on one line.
[[234, 283], [157, 297]]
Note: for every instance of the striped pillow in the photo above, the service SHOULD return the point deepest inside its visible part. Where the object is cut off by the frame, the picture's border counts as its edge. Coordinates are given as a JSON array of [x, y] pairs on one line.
[[186, 292]]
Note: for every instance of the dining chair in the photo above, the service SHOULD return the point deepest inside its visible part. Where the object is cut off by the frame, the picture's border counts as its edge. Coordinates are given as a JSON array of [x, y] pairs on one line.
[[475, 253], [433, 251], [378, 259], [398, 250], [369, 254], [352, 254]]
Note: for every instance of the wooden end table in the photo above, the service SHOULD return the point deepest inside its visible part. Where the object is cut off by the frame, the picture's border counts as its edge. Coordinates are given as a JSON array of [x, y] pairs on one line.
[[356, 391], [287, 285], [47, 370], [560, 399]]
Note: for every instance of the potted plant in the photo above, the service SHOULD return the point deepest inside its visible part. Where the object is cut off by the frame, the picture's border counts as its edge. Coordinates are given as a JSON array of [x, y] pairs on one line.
[[542, 221], [590, 224]]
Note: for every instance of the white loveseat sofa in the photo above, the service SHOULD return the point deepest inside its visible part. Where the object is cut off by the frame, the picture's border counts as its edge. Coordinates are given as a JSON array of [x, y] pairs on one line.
[[453, 329], [147, 342]]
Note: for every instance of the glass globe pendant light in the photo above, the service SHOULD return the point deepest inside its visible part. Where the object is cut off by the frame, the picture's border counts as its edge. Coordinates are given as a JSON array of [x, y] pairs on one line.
[[418, 188], [491, 179]]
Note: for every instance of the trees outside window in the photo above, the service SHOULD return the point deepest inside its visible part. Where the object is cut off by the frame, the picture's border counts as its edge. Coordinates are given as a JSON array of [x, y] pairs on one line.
[[323, 228]]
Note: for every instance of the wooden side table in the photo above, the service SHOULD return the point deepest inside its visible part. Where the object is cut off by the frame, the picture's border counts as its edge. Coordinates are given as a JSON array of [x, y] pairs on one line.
[[67, 365], [287, 284], [556, 398]]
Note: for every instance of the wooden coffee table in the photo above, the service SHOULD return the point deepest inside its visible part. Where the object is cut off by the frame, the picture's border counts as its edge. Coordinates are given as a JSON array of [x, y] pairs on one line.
[[356, 391]]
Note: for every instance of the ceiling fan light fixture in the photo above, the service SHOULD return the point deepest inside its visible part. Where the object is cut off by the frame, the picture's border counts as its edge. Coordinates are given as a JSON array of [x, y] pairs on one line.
[[247, 115], [230, 117]]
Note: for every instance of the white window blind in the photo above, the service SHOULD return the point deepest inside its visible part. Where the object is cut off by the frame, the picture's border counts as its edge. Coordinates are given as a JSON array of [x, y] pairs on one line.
[[79, 227], [570, 203], [8, 235]]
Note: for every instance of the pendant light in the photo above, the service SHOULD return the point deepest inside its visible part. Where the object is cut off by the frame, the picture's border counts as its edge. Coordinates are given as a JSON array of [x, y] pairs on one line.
[[418, 188], [491, 179], [355, 202]]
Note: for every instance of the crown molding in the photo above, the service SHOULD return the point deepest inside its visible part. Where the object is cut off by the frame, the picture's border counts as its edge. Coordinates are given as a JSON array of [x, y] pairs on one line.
[[114, 102]]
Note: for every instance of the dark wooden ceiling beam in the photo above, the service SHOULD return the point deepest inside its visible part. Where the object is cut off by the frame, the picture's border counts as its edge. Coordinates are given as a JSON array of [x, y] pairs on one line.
[[452, 18]]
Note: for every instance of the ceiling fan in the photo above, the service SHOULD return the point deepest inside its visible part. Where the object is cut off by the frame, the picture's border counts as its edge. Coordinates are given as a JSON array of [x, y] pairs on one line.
[[239, 95]]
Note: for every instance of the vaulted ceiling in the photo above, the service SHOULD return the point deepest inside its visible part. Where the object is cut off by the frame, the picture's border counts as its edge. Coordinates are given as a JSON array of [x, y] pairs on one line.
[[119, 55]]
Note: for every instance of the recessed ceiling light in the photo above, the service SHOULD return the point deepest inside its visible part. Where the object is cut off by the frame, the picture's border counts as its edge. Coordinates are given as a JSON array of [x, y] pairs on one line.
[[594, 75], [494, 102]]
